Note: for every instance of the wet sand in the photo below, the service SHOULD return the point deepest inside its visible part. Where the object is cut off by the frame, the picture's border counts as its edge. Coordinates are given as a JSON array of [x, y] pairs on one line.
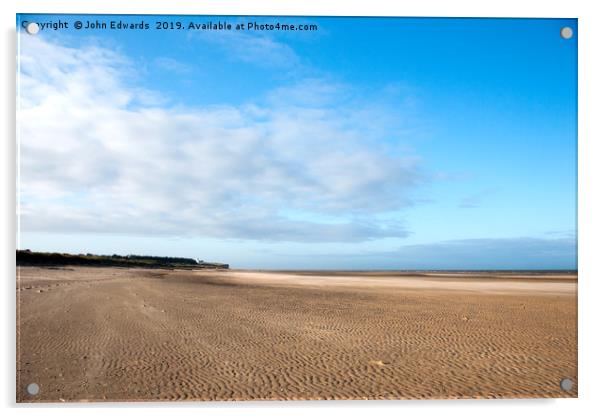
[[110, 334]]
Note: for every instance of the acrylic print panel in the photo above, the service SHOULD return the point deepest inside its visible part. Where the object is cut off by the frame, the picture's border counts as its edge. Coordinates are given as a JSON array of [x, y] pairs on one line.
[[275, 208]]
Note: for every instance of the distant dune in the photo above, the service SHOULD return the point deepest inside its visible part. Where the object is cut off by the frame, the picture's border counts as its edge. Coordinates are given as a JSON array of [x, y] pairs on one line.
[[119, 334]]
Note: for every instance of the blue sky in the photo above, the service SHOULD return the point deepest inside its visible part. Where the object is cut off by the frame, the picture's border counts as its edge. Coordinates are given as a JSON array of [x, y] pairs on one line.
[[371, 143]]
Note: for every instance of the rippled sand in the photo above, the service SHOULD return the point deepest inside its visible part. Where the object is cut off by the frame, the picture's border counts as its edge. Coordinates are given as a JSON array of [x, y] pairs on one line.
[[106, 334]]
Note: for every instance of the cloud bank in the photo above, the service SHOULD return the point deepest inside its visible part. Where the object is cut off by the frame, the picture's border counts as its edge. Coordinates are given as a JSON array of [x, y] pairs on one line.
[[462, 254], [492, 253], [307, 162]]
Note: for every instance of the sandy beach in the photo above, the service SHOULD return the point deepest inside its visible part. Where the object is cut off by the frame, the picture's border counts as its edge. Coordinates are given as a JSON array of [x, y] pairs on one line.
[[117, 334]]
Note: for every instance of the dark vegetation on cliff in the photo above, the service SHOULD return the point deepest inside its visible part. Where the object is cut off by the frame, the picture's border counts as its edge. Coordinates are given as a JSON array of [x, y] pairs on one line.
[[31, 258]]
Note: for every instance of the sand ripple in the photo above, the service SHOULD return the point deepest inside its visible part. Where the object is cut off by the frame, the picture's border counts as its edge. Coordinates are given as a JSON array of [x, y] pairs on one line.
[[117, 334]]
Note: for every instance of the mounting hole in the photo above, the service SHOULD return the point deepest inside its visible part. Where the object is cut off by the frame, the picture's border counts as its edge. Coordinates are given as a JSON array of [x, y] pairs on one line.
[[566, 384], [566, 32], [32, 28], [33, 389]]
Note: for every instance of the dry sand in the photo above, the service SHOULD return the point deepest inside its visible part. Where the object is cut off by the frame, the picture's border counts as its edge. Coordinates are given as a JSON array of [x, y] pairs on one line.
[[108, 334]]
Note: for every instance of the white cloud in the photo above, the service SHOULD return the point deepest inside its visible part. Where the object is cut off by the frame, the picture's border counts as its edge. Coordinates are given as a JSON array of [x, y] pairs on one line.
[[99, 155], [474, 200], [173, 65], [259, 49]]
